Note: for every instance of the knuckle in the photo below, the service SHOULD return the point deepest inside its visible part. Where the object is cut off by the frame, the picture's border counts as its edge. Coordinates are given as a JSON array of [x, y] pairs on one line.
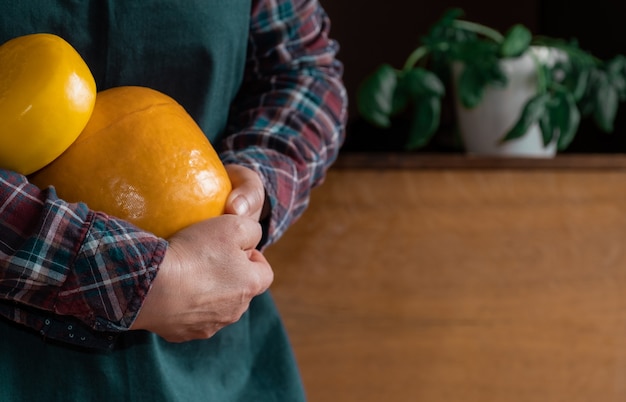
[[236, 315], [263, 281], [208, 333]]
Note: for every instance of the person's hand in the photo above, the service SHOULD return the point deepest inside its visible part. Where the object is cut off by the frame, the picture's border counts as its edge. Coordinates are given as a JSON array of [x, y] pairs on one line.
[[210, 273], [248, 194]]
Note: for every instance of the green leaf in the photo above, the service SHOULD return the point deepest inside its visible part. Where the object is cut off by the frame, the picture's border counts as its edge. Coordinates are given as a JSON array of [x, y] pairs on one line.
[[532, 112], [547, 130], [516, 41], [399, 101], [474, 51], [475, 78], [442, 30], [615, 71], [480, 68], [447, 18], [606, 106], [471, 86], [572, 76], [588, 102], [375, 96], [426, 115], [581, 78], [420, 82], [564, 117]]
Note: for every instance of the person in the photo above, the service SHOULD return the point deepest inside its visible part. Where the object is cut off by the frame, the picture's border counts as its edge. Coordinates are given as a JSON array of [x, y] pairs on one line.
[[94, 308]]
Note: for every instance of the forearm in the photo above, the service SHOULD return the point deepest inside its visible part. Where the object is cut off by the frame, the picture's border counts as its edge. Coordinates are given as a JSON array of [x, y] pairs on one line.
[[62, 262], [289, 124]]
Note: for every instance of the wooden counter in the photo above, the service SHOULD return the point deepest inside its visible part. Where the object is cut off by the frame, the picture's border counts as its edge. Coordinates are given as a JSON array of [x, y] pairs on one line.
[[452, 282]]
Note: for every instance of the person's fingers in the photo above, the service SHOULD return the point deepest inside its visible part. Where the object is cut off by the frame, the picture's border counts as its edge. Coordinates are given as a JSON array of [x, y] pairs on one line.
[[215, 265], [249, 233], [243, 232], [256, 256], [264, 271], [248, 194]]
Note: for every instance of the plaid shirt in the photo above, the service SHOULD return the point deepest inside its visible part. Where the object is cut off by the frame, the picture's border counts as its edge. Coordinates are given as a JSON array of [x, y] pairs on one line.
[[80, 276]]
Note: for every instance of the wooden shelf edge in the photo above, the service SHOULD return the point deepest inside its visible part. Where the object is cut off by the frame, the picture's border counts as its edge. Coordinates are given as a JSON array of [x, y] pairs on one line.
[[374, 160]]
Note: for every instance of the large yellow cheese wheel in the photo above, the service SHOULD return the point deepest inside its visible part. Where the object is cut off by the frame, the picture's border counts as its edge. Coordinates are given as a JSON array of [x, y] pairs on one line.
[[141, 157]]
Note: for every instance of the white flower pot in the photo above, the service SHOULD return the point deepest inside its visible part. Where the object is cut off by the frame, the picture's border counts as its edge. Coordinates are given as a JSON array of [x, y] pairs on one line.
[[483, 127]]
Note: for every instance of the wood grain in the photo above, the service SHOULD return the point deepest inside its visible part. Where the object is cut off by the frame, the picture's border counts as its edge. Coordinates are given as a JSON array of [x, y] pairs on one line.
[[459, 285]]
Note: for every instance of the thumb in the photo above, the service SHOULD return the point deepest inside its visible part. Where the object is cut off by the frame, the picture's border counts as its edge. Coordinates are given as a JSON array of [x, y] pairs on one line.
[[248, 194]]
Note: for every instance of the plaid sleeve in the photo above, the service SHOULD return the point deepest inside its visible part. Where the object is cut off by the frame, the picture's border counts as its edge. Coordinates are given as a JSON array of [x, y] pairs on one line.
[[70, 273], [288, 123]]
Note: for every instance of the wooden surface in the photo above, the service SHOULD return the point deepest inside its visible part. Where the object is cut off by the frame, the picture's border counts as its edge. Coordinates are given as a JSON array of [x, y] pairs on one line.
[[481, 285], [410, 160]]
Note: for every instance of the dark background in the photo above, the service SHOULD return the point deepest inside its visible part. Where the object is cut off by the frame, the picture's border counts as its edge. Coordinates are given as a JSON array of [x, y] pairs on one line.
[[371, 33]]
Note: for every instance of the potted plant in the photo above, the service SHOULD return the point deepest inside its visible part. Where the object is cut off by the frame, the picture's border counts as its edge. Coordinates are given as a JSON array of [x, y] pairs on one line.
[[478, 65]]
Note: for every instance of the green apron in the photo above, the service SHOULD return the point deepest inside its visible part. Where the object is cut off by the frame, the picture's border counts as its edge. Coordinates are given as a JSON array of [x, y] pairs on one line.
[[195, 52]]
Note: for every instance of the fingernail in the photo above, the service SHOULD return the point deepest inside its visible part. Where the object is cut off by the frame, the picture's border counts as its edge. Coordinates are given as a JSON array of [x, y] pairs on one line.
[[240, 205]]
